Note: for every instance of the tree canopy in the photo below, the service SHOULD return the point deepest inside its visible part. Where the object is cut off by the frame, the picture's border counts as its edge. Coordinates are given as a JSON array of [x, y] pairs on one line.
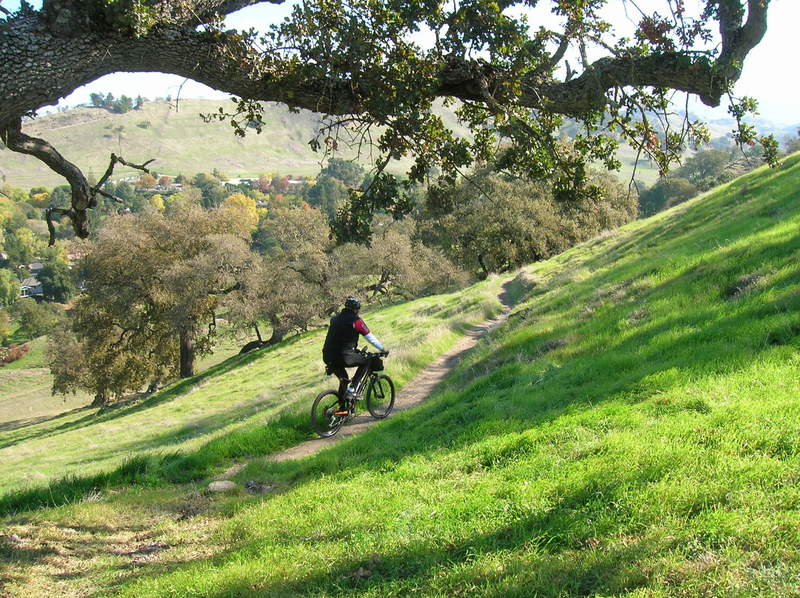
[[365, 64]]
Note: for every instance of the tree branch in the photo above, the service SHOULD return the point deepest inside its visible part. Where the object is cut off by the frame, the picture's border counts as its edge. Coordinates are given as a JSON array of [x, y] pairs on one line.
[[207, 9], [18, 141], [115, 159]]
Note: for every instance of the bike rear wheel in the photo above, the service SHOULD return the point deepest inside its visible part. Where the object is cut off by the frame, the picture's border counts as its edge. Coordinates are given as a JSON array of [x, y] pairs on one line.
[[323, 419], [380, 396]]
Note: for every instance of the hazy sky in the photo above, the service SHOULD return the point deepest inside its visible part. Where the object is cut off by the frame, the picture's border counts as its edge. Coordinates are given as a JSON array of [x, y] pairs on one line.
[[769, 72]]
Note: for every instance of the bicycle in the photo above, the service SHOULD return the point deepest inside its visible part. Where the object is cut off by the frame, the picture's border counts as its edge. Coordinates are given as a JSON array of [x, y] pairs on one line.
[[327, 413]]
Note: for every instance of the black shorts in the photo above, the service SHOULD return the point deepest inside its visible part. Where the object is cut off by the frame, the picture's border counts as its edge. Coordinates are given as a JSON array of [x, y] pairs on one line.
[[347, 358]]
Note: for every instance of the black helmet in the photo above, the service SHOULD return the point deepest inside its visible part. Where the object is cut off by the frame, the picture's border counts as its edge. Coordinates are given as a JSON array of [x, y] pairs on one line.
[[352, 303]]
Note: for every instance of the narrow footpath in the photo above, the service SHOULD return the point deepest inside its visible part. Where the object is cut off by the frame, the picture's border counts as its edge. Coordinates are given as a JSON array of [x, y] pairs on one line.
[[411, 395]]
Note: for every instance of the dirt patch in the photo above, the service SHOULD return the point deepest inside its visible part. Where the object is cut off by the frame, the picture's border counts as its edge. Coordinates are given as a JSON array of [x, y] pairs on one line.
[[230, 472], [551, 345], [744, 285], [145, 553], [638, 315]]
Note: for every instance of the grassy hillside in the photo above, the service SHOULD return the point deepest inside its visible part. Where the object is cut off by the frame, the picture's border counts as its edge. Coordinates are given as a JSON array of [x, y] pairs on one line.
[[631, 431], [242, 392], [177, 138], [182, 143], [25, 390]]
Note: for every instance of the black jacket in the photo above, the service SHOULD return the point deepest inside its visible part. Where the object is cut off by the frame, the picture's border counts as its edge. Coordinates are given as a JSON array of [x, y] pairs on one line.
[[342, 334]]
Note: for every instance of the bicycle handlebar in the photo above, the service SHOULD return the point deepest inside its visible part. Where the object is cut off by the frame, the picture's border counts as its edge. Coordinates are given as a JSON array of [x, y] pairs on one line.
[[375, 354]]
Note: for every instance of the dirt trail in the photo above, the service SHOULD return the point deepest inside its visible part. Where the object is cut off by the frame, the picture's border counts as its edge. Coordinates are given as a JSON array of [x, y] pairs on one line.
[[412, 394]]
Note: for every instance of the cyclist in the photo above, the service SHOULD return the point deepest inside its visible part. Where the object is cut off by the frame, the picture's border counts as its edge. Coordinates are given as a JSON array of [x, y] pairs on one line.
[[339, 351]]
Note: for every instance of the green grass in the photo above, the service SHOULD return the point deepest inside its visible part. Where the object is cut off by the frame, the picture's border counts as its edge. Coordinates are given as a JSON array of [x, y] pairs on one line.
[[633, 430], [247, 401], [25, 384], [25, 391]]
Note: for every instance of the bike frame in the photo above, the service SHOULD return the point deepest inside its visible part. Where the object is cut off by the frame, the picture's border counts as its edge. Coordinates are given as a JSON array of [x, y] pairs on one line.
[[368, 374]]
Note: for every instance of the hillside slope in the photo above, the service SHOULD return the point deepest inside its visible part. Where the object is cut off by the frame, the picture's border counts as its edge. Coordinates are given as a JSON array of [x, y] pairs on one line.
[[632, 430], [241, 393], [178, 139], [182, 143]]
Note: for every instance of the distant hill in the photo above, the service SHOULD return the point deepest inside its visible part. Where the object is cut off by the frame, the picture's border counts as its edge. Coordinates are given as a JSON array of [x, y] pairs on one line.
[[178, 139], [182, 143]]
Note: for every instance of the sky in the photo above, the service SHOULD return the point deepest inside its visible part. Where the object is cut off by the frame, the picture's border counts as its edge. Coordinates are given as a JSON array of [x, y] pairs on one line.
[[768, 71]]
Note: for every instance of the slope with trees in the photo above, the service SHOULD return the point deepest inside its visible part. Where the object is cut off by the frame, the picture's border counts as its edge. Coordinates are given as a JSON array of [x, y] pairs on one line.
[[631, 431]]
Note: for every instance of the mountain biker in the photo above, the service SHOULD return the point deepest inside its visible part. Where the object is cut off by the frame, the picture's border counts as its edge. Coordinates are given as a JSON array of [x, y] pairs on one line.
[[339, 351]]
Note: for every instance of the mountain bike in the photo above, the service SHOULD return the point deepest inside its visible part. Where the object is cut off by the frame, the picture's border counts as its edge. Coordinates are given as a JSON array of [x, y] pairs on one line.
[[329, 413]]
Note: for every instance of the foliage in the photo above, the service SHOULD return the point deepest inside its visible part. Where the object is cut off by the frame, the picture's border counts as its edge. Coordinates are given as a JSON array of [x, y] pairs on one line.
[[361, 62], [328, 194], [5, 326], [146, 181], [491, 223], [22, 246], [57, 280], [119, 105], [398, 265], [9, 288], [239, 201], [157, 201], [36, 319], [348, 172], [147, 319], [213, 192], [664, 194], [704, 168]]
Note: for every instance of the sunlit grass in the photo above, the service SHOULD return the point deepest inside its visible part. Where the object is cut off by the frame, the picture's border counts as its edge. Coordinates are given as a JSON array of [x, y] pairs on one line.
[[259, 399], [633, 430]]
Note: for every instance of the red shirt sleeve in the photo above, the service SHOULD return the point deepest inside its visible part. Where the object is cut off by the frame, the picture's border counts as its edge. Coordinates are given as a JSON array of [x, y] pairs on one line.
[[361, 327]]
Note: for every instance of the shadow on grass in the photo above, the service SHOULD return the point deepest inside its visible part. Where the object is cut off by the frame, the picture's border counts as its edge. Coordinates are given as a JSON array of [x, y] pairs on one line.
[[18, 424], [557, 554], [165, 395], [154, 469]]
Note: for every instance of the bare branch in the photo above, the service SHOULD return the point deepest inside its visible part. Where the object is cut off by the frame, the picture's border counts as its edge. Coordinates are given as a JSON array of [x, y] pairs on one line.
[[48, 214], [115, 159], [227, 291], [18, 141], [108, 195]]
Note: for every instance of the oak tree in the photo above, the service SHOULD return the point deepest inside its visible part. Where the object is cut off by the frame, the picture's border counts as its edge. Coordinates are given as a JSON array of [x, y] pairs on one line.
[[148, 318]]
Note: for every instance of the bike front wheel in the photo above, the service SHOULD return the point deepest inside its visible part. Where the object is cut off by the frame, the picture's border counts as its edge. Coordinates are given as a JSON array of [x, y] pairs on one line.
[[324, 418], [380, 396]]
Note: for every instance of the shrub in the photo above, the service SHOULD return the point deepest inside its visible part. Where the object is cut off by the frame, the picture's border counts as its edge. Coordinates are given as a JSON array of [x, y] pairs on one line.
[[13, 352]]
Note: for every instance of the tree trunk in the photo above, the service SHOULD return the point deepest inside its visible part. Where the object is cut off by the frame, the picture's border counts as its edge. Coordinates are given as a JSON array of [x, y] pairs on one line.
[[278, 331], [484, 269], [100, 400], [187, 353], [258, 333]]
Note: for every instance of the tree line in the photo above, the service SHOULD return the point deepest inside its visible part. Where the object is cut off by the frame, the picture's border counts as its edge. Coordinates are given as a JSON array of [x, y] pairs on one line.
[[119, 105]]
